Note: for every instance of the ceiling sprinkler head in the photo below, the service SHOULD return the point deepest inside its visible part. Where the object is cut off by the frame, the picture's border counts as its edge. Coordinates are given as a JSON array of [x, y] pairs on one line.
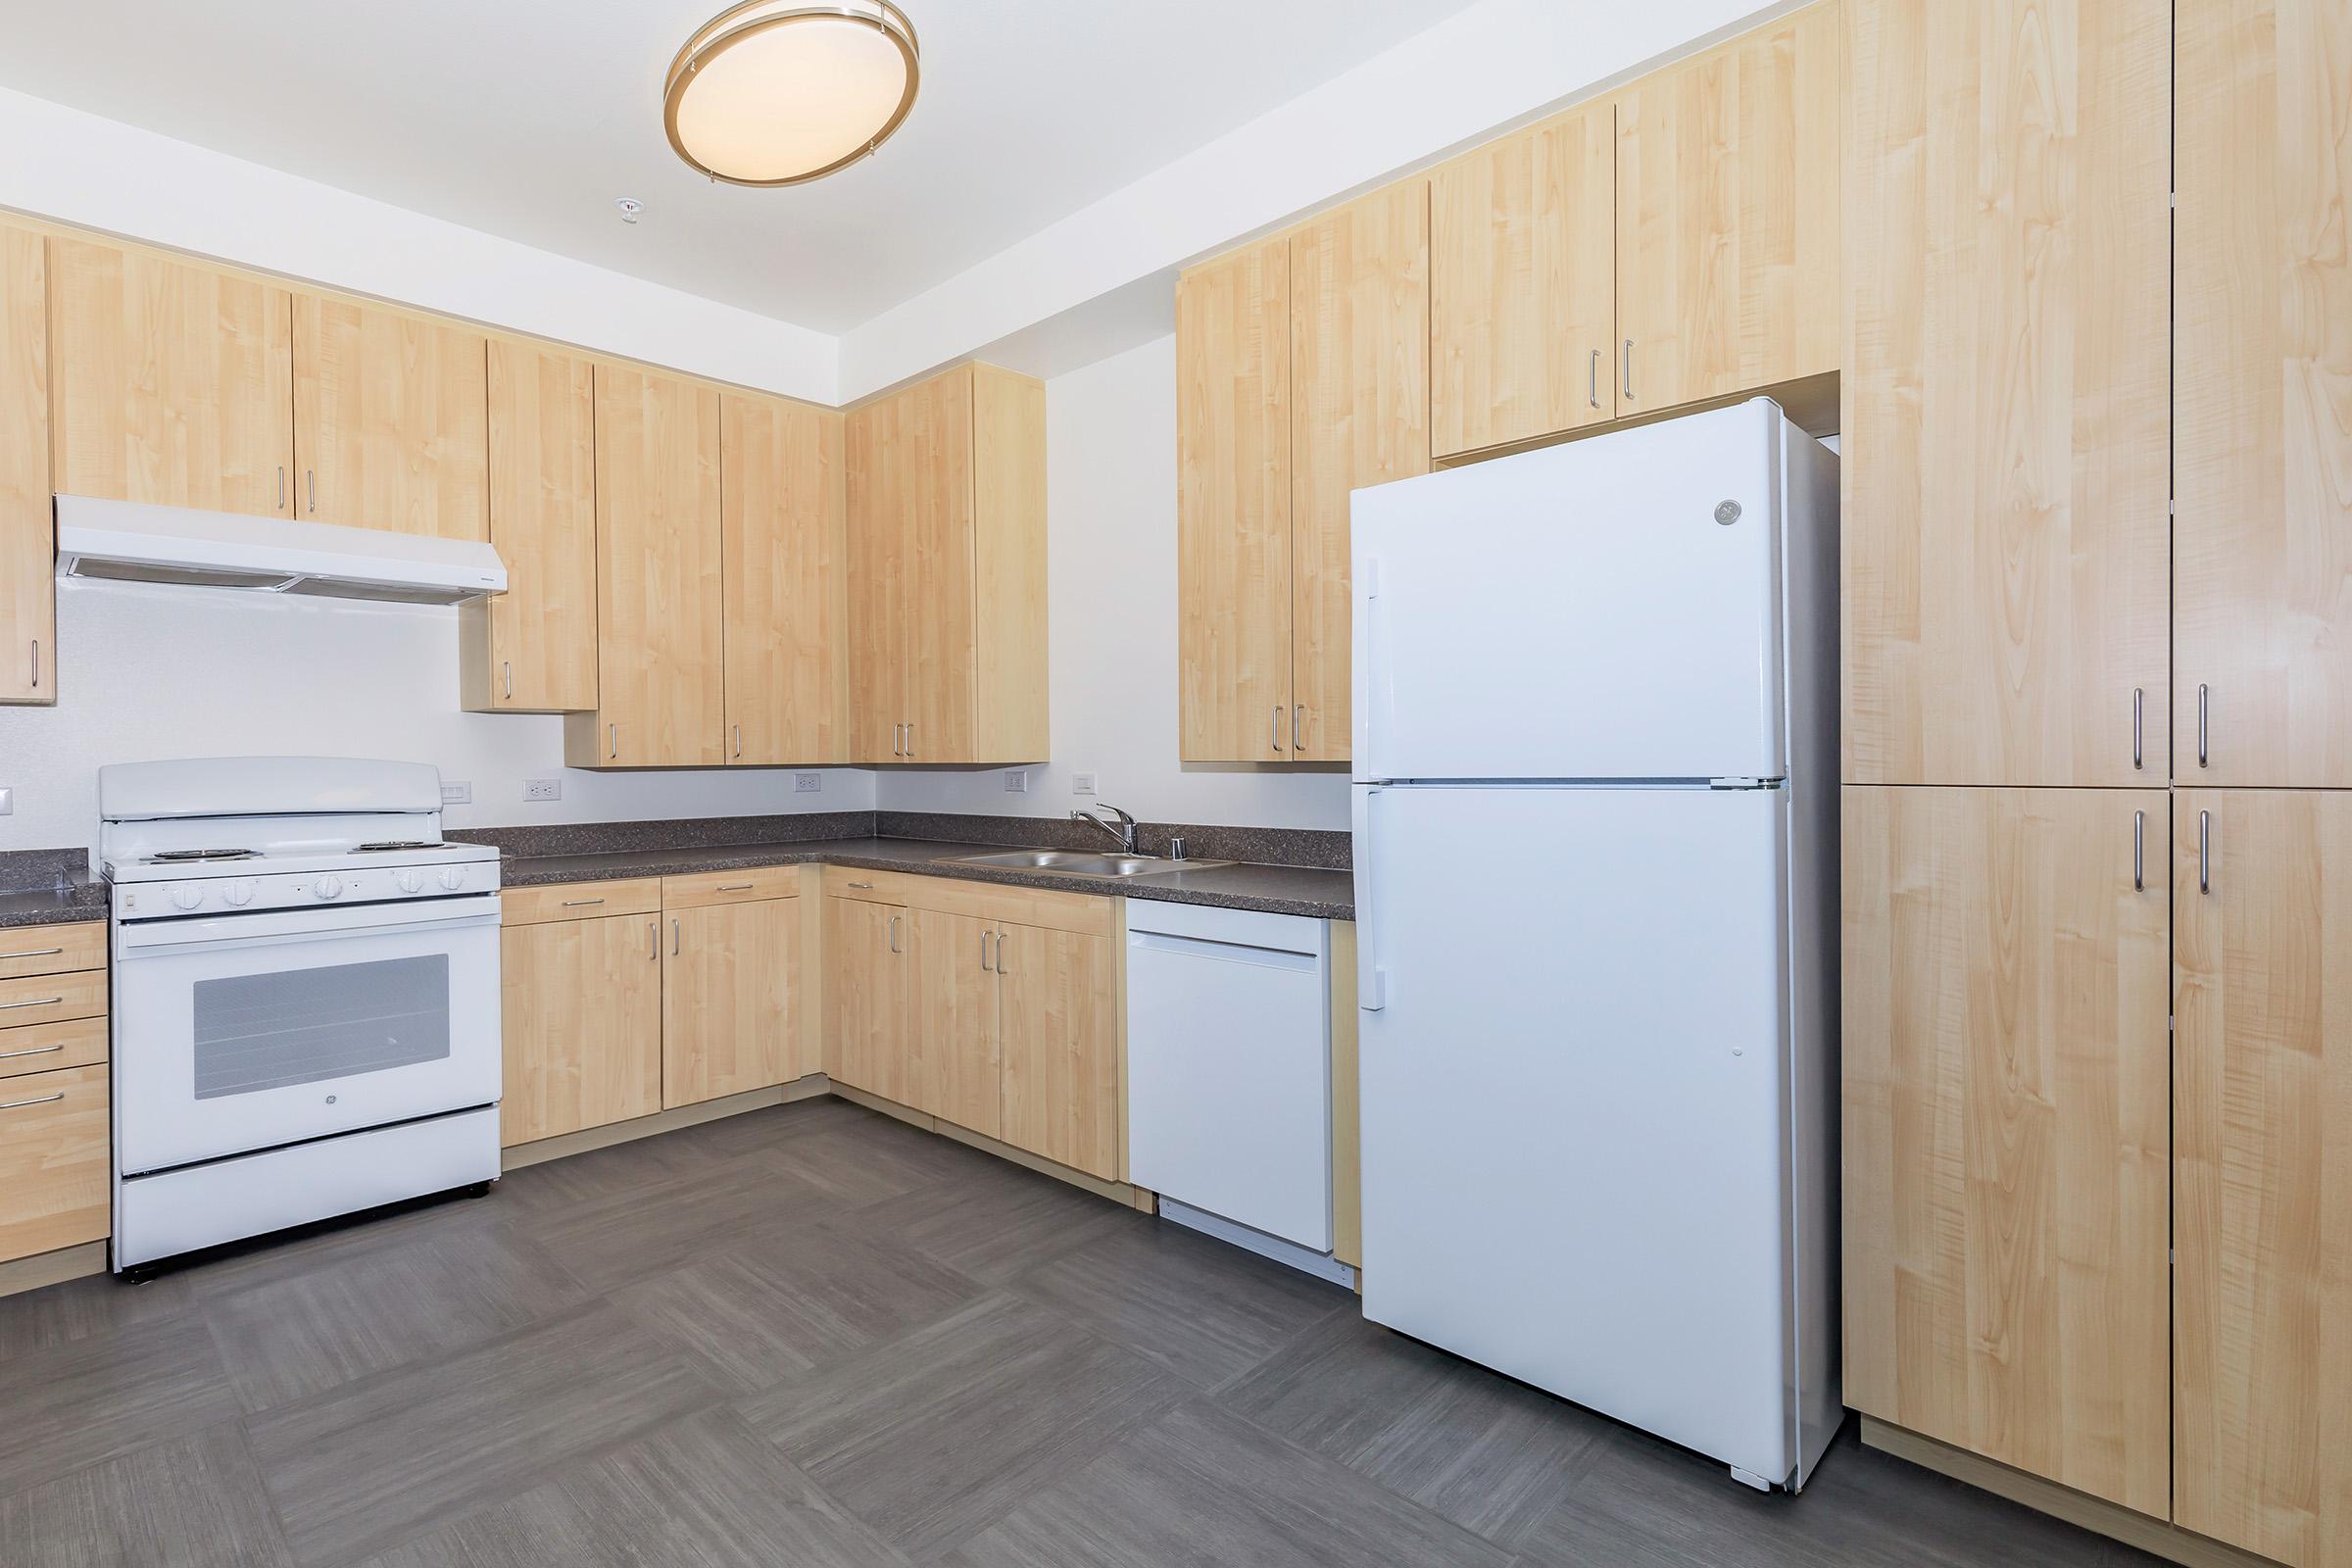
[[629, 206]]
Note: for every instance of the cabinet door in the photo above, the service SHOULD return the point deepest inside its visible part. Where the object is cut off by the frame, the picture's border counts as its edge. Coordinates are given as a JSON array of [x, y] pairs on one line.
[[55, 1181], [2006, 389], [660, 683], [880, 569], [1523, 284], [1360, 416], [582, 1020], [1233, 506], [786, 594], [1727, 217], [2263, 433], [532, 649], [1058, 1046], [2262, 1194], [867, 993], [931, 452], [1011, 684], [2006, 1108], [170, 382], [27, 543], [955, 1018], [391, 427], [730, 995]]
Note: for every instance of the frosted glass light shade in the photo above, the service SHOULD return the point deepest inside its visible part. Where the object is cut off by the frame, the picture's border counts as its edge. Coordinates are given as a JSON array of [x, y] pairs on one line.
[[774, 93]]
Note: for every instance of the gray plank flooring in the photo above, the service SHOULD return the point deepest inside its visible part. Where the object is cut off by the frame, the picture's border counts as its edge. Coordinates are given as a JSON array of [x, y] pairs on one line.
[[813, 1336]]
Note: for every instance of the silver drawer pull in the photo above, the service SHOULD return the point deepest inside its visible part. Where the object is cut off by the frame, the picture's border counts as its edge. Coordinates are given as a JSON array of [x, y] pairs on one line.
[[32, 1050], [31, 953], [867, 886], [36, 1001], [732, 887], [45, 1099], [580, 903]]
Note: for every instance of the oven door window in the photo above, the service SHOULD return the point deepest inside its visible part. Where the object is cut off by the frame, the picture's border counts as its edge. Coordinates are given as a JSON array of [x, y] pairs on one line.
[[276, 1029]]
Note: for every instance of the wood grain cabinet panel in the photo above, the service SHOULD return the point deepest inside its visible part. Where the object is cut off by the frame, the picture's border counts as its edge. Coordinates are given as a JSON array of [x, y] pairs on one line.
[[1233, 506], [391, 422], [1359, 417], [1058, 1046], [582, 1018], [730, 999], [956, 1015], [27, 543], [1728, 267], [869, 994], [532, 649], [661, 672], [2007, 1134], [2262, 1194], [55, 1164], [170, 383], [2263, 394], [1523, 284], [2006, 547], [785, 581], [932, 456]]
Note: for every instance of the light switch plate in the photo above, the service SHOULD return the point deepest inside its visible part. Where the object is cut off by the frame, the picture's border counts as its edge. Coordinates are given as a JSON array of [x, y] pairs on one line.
[[458, 792], [1016, 781], [542, 789], [808, 783], [1082, 783]]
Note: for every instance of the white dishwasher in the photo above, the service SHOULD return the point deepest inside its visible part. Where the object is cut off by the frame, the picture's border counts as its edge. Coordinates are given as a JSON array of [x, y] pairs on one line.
[[1229, 1068]]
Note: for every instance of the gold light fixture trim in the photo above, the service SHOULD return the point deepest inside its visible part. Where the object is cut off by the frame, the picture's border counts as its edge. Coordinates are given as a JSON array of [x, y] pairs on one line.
[[774, 93]]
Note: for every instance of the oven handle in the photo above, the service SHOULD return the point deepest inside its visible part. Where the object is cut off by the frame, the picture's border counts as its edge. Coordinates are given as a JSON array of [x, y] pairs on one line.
[[137, 938]]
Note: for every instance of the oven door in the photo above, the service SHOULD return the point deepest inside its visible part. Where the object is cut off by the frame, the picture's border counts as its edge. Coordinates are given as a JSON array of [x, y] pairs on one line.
[[250, 1031]]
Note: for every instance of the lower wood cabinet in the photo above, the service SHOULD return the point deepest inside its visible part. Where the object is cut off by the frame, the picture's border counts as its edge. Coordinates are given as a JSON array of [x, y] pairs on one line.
[[583, 1024], [730, 991], [55, 1125], [867, 997], [955, 1018], [1057, 995]]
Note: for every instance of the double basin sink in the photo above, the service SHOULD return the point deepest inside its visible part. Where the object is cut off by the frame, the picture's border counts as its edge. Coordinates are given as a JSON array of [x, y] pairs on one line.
[[1078, 862]]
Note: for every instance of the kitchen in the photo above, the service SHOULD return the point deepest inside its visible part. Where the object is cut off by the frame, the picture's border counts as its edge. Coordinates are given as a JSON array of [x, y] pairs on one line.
[[1499, 1102]]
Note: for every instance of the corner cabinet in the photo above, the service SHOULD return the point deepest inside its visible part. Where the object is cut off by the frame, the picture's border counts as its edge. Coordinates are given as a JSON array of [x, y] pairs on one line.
[[786, 586], [27, 543], [947, 571]]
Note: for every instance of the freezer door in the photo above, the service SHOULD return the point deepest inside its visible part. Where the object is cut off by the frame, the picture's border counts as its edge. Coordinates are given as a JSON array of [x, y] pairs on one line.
[[1573, 1098], [1608, 609]]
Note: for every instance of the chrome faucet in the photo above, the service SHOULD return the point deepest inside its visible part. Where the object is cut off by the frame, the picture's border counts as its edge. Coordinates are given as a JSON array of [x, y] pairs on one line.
[[1124, 832]]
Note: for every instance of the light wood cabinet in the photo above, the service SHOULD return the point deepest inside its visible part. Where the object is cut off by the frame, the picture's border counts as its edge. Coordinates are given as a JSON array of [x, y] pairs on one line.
[[1523, 284], [947, 571], [867, 996], [532, 649], [2263, 435], [730, 999], [2262, 1116], [391, 424], [1728, 267], [661, 675], [55, 1160], [786, 576], [2006, 1126], [170, 383], [955, 1016], [28, 545], [1059, 1033], [582, 1016], [2007, 389]]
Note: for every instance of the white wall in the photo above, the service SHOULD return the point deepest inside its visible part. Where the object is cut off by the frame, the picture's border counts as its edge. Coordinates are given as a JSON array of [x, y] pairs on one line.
[[149, 672], [1110, 509]]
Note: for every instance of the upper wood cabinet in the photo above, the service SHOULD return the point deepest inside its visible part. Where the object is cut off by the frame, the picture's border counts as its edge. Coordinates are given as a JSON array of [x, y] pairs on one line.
[[730, 999], [2006, 389], [2006, 1126], [2262, 394], [1727, 217], [532, 649], [785, 577], [170, 383], [2262, 1117], [661, 680], [582, 1014], [390, 424], [947, 581], [27, 545], [1523, 284]]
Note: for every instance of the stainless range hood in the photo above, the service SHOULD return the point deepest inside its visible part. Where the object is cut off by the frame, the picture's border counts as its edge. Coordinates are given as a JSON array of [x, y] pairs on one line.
[[129, 541]]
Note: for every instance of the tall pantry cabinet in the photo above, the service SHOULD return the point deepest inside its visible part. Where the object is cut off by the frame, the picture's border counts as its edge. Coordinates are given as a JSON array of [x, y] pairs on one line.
[[2098, 925]]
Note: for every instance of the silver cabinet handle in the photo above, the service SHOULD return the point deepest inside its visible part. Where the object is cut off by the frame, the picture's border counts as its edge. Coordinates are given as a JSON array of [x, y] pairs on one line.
[[1296, 744], [910, 737], [732, 887], [612, 743], [894, 933], [1592, 380], [739, 740], [312, 476], [580, 903], [281, 486], [1629, 370], [2139, 703], [984, 951], [32, 1050], [36, 1001], [1001, 969], [2204, 851], [45, 1099], [866, 885], [898, 739], [32, 953], [653, 940], [2203, 752], [2139, 837], [507, 665], [673, 939], [36, 663], [1274, 727]]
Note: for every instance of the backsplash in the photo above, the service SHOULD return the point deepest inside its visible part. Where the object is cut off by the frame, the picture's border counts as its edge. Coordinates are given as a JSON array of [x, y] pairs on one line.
[[38, 870]]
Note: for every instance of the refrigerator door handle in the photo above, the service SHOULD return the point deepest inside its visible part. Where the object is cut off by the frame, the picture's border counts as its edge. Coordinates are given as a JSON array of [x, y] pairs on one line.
[[1371, 980]]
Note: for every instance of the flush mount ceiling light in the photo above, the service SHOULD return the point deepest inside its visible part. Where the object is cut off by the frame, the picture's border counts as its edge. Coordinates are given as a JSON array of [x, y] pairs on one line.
[[776, 93]]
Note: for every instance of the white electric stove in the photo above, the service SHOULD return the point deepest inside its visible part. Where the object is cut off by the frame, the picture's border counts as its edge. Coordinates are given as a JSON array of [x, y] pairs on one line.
[[306, 996]]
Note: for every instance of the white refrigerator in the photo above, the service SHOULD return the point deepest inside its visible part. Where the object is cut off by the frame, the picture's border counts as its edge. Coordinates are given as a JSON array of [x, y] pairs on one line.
[[1596, 824]]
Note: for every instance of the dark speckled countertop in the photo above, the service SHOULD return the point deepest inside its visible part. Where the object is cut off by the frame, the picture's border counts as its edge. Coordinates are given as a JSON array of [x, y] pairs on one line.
[[45, 887]]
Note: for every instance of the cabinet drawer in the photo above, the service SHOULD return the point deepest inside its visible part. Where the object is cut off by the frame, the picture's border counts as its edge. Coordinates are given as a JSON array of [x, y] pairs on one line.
[[579, 900], [76, 1042], [53, 1160], [52, 949], [52, 998], [1088, 913], [730, 887]]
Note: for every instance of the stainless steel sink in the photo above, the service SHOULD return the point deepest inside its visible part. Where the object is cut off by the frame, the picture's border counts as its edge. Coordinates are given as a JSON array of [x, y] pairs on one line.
[[1078, 862]]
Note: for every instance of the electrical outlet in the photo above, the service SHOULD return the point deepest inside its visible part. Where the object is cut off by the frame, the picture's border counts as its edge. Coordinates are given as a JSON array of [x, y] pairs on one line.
[[7, 799], [1016, 781], [542, 789], [459, 792], [808, 783], [1082, 783]]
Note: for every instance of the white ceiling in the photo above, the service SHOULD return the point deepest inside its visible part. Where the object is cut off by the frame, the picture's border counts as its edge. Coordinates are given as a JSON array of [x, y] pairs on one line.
[[526, 117]]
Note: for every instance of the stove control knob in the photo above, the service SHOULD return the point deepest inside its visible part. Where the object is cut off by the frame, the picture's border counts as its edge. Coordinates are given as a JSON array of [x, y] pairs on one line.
[[327, 886], [187, 898], [240, 891], [408, 881], [453, 877]]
